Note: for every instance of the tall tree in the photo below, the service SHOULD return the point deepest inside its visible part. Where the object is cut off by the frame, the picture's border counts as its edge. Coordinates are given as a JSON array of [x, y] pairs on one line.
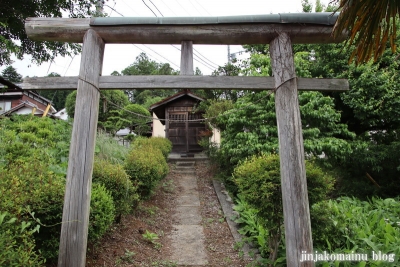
[[143, 65], [136, 118], [13, 38], [371, 24], [11, 75], [228, 69], [111, 100]]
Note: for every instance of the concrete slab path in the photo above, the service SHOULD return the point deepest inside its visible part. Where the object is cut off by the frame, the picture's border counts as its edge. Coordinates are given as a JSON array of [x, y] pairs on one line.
[[188, 237]]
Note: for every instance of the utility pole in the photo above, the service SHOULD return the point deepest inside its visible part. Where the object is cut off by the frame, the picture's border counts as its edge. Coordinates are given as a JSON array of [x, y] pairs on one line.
[[229, 54], [99, 8]]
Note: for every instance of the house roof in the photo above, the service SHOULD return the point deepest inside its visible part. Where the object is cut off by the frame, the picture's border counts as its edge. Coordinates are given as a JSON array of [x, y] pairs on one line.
[[159, 107], [175, 97], [12, 93], [22, 105], [10, 84]]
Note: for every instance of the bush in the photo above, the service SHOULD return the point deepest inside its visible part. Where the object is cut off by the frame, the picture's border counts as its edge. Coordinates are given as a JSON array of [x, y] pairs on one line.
[[349, 224], [259, 184], [30, 191], [116, 181], [33, 164], [17, 245], [21, 136], [29, 188], [146, 166], [161, 143], [102, 212]]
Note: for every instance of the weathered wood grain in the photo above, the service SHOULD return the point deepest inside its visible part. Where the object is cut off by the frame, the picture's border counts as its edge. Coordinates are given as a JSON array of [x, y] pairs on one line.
[[291, 151], [75, 220], [186, 82], [73, 30], [186, 67]]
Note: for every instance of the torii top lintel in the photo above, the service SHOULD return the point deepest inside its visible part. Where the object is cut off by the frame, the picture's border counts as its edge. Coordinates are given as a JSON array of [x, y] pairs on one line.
[[254, 29]]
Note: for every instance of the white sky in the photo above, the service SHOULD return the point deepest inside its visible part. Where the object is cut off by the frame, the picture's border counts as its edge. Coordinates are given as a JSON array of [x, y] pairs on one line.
[[119, 56]]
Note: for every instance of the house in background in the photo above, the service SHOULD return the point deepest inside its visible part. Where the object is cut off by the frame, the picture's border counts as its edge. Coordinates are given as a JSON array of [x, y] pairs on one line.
[[175, 118], [62, 114], [23, 102], [14, 100]]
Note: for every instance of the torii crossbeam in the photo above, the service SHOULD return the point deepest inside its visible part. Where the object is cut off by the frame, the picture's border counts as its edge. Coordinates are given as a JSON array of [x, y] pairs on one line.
[[279, 31]]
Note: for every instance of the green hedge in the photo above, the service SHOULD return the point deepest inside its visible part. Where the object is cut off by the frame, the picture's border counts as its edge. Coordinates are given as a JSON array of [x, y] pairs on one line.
[[102, 212], [27, 188], [17, 245], [31, 192], [117, 182], [163, 144], [146, 166], [259, 184], [33, 164]]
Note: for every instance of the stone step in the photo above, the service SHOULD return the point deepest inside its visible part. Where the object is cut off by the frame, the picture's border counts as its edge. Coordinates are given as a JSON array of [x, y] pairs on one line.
[[186, 172], [185, 163], [185, 167]]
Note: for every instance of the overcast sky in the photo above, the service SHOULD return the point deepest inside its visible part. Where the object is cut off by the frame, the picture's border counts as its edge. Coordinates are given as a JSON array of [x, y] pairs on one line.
[[119, 56]]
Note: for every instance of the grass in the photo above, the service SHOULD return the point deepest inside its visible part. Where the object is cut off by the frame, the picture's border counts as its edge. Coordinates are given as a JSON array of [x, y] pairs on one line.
[[127, 257], [152, 238], [168, 186], [109, 149]]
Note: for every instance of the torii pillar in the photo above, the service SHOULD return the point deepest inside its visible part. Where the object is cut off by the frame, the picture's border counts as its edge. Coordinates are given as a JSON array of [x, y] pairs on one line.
[[291, 152], [186, 69], [75, 219]]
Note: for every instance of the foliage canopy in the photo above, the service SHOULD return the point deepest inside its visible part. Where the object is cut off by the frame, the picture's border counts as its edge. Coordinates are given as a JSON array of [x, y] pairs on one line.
[[13, 38]]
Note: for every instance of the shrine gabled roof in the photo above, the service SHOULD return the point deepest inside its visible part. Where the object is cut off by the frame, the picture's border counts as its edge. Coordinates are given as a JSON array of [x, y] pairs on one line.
[[159, 107], [175, 97], [321, 18]]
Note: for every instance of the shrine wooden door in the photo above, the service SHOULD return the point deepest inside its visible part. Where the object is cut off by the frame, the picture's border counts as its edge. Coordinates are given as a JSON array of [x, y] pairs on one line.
[[184, 131]]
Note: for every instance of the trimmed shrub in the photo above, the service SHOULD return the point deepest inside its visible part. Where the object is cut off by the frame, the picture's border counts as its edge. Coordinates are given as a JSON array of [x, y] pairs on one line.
[[33, 164], [259, 184], [117, 182], [146, 166], [161, 143], [29, 190], [102, 212], [17, 245]]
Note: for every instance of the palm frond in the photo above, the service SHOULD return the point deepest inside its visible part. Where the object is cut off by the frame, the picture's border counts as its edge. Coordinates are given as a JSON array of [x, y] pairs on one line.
[[371, 24]]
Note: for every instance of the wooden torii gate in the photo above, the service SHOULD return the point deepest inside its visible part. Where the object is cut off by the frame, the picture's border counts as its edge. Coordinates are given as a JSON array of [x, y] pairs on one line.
[[279, 31]]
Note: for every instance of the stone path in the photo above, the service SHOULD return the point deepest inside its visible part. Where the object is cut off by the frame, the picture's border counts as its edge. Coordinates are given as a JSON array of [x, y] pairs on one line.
[[188, 236]]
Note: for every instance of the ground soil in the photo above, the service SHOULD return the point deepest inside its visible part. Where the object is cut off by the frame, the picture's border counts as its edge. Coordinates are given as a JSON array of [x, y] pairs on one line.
[[126, 246]]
